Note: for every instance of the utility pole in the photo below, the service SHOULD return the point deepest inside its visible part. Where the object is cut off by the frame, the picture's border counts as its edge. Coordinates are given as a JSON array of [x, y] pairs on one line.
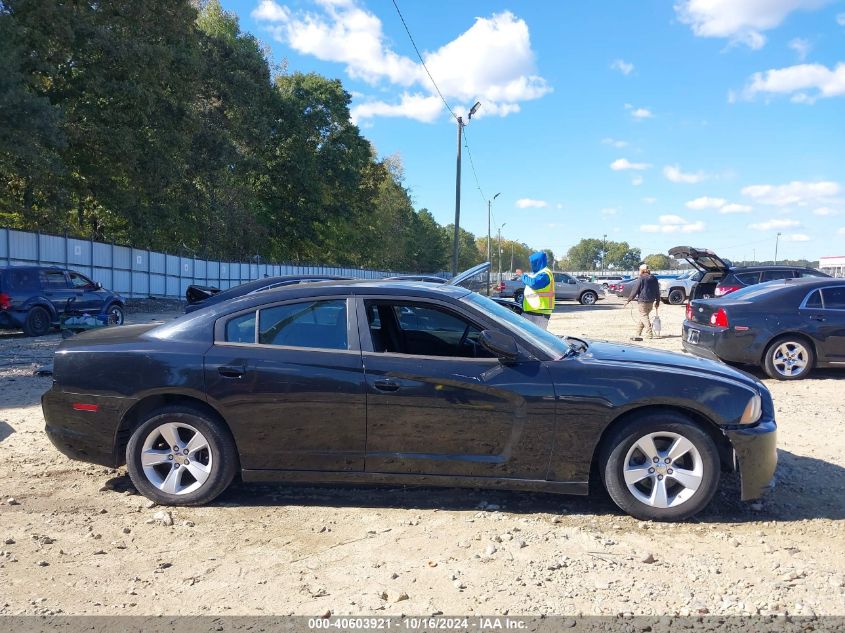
[[777, 239], [500, 249], [511, 268], [456, 239], [603, 251], [489, 215]]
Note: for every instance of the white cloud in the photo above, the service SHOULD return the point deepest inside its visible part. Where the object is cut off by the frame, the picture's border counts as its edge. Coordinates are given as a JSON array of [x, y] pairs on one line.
[[774, 224], [420, 107], [673, 173], [492, 61], [801, 47], [840, 19], [622, 164], [531, 203], [824, 211], [794, 193], [805, 82], [626, 68], [639, 114], [649, 200], [735, 208], [673, 224], [705, 202], [740, 21], [615, 143], [796, 237], [609, 211], [637, 181]]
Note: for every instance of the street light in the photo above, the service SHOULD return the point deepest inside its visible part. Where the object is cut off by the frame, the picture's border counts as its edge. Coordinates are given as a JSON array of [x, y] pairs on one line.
[[500, 249], [455, 240], [489, 214], [777, 239]]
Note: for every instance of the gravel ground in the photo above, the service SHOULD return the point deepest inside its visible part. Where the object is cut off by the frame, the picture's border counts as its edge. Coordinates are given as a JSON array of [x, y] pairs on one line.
[[77, 539]]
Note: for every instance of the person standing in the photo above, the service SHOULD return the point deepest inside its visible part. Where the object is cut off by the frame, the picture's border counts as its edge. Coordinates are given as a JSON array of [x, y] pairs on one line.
[[646, 292], [538, 299]]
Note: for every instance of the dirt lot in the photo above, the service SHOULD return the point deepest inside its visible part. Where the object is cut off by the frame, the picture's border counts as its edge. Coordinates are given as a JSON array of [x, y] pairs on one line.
[[76, 539]]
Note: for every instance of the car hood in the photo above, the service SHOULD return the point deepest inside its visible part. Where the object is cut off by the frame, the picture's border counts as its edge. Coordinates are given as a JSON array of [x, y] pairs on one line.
[[604, 351]]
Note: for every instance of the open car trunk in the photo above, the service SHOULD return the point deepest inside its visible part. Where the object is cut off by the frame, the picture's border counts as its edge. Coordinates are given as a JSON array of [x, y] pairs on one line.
[[712, 267]]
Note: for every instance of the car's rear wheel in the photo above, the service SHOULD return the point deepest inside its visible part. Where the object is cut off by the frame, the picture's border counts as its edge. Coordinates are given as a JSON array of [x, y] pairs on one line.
[[677, 296], [660, 467], [37, 322], [789, 358], [179, 456], [115, 314], [588, 298]]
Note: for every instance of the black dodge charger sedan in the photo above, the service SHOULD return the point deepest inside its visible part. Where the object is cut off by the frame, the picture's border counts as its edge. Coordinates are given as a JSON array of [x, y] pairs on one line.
[[787, 327], [403, 383]]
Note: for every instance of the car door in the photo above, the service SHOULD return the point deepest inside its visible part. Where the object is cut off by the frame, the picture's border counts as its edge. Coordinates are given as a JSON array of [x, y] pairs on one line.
[[89, 298], [825, 310], [565, 286], [57, 289], [439, 404], [289, 379]]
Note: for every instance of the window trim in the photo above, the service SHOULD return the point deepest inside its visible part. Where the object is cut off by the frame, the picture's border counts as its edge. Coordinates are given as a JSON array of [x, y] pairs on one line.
[[803, 305], [353, 345], [366, 341]]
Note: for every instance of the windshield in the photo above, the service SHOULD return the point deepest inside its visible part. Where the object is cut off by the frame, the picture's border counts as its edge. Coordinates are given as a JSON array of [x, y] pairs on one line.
[[548, 342]]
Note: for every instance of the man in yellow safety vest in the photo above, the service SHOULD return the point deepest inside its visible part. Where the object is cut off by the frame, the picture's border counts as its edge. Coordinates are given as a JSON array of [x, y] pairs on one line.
[[538, 300]]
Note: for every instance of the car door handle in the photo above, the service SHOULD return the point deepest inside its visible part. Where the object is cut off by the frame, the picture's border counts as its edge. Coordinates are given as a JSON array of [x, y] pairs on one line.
[[386, 385], [817, 318], [230, 371]]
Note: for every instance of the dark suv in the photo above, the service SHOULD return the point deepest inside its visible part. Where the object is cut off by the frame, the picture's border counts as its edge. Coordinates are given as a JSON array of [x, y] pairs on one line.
[[32, 298], [720, 277]]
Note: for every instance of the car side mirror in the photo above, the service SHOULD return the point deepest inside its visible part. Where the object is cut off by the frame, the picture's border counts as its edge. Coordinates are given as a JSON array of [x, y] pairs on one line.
[[98, 285], [502, 345]]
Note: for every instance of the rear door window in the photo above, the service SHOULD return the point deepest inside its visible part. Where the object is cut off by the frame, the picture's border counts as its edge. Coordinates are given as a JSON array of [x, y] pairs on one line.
[[314, 324], [814, 300], [53, 279], [834, 298], [749, 279], [772, 275]]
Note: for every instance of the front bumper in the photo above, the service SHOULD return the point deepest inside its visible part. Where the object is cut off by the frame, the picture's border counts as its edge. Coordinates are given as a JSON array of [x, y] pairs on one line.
[[756, 452]]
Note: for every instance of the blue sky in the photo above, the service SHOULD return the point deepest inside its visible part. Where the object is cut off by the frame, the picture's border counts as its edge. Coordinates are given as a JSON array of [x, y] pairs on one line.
[[715, 123]]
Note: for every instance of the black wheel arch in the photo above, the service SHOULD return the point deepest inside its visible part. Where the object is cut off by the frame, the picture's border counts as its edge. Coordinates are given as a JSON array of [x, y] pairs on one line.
[[723, 444], [136, 414], [39, 302]]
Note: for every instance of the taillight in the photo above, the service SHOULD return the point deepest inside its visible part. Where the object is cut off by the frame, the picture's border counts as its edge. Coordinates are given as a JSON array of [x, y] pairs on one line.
[[689, 312], [501, 286], [5, 301], [721, 291], [719, 318]]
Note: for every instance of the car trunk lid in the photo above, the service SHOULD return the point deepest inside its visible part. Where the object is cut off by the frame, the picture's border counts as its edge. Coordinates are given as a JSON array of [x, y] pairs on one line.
[[700, 258]]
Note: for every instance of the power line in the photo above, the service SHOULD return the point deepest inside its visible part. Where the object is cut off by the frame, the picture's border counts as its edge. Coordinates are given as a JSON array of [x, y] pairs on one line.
[[414, 44]]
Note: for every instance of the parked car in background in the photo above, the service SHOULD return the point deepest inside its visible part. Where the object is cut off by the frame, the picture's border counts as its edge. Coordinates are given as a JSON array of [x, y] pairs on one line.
[[719, 277], [787, 327], [403, 383], [34, 298], [432, 279], [257, 285], [567, 287], [676, 290]]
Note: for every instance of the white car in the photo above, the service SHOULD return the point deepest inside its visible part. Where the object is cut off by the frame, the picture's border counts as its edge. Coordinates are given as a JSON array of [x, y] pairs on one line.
[[676, 290]]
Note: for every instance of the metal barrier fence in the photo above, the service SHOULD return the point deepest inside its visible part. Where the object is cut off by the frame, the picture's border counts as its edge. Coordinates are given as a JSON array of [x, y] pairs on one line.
[[137, 272]]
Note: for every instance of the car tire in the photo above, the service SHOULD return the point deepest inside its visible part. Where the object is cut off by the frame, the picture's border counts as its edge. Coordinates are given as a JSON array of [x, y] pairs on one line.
[[115, 314], [588, 298], [518, 296], [660, 494], [677, 296], [37, 322], [789, 358], [180, 478]]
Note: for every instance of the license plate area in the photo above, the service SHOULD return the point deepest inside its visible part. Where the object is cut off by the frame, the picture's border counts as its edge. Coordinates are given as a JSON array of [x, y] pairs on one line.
[[693, 336]]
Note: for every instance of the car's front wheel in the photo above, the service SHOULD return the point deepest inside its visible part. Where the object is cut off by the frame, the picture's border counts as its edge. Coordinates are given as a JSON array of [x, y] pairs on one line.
[[660, 467], [115, 314], [518, 296], [789, 358], [588, 298], [676, 296], [180, 456], [37, 322]]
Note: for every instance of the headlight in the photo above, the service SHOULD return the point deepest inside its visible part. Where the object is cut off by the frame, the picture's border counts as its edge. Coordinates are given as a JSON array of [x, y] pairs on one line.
[[753, 411]]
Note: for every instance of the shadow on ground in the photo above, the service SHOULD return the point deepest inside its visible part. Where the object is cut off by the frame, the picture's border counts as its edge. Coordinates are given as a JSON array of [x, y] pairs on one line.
[[807, 488]]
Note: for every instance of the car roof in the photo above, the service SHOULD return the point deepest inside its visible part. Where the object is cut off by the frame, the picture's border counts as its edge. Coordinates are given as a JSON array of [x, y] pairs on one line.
[[32, 267], [764, 267]]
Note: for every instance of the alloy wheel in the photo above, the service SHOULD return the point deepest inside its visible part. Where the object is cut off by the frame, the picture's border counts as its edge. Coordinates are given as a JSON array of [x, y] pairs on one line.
[[176, 458], [663, 469], [790, 358]]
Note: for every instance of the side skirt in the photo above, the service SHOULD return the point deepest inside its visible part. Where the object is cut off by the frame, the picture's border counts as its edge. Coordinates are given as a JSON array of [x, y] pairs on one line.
[[448, 481]]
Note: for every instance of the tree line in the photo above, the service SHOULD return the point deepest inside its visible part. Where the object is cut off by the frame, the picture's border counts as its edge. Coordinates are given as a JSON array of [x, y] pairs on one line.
[[163, 126]]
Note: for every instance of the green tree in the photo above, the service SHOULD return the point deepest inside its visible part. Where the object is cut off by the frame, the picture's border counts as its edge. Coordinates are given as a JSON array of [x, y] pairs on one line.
[[658, 261], [621, 256]]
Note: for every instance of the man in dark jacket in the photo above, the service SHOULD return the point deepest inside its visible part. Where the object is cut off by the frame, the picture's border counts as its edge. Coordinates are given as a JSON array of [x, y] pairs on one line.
[[646, 292]]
